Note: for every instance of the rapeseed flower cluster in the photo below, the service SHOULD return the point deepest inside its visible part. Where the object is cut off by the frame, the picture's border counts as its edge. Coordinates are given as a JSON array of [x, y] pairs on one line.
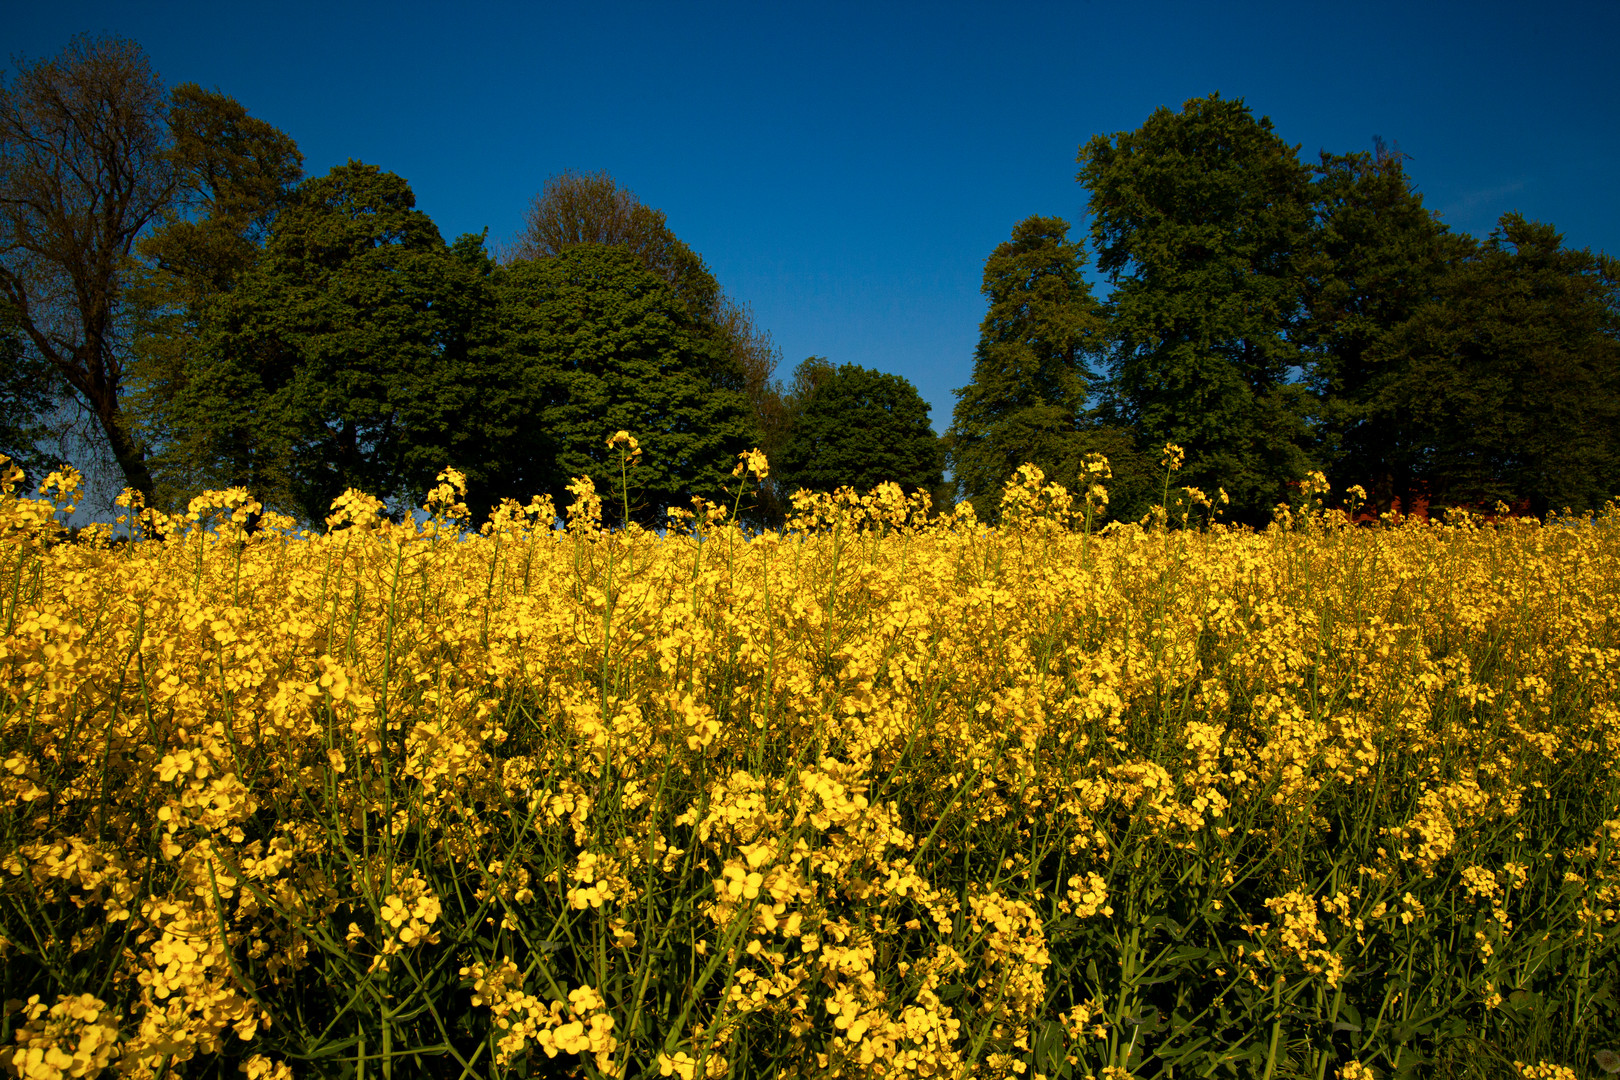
[[889, 793]]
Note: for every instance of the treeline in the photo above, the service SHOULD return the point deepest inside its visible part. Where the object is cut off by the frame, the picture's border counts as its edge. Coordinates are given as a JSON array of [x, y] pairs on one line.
[[1274, 317], [227, 321], [220, 319]]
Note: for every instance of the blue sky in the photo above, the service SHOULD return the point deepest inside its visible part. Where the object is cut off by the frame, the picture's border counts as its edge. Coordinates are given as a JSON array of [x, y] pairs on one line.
[[846, 168]]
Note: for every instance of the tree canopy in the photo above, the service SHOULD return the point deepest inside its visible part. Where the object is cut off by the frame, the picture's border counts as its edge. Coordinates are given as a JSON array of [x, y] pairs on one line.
[[1198, 218], [26, 400], [233, 174], [354, 348], [856, 427], [604, 344], [1032, 377], [1506, 385], [576, 208], [341, 358], [1376, 256]]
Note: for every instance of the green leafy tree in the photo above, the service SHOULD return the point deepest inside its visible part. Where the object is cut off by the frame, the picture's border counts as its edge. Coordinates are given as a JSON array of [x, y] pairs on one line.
[[591, 208], [234, 173], [1197, 218], [1029, 398], [856, 427], [84, 170], [1376, 256], [1509, 380], [602, 343], [344, 357]]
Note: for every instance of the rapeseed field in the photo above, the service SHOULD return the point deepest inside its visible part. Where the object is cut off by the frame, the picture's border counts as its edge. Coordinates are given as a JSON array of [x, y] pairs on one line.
[[887, 793]]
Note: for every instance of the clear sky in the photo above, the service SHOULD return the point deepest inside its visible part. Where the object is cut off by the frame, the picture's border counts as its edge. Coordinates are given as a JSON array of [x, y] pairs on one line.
[[845, 168]]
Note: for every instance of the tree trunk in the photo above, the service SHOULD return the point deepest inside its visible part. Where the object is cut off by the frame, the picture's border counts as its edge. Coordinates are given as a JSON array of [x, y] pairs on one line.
[[125, 452]]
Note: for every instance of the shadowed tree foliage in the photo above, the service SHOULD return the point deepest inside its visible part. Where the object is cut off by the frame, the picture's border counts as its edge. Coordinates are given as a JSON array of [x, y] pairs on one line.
[[591, 208], [1028, 401], [855, 427], [84, 170], [1198, 218], [1375, 258], [342, 358], [602, 343], [233, 174], [1507, 384]]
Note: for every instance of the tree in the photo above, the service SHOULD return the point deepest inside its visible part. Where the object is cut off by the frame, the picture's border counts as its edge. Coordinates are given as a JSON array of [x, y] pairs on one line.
[[1029, 398], [605, 344], [343, 357], [84, 170], [1197, 218], [1508, 385], [856, 427], [233, 174], [1376, 256], [591, 208]]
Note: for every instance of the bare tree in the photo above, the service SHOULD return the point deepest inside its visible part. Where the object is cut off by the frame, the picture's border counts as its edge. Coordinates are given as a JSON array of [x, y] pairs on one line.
[[579, 208], [83, 171]]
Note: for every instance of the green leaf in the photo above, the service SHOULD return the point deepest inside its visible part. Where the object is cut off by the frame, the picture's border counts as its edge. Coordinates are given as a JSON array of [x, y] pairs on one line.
[[1050, 1047]]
